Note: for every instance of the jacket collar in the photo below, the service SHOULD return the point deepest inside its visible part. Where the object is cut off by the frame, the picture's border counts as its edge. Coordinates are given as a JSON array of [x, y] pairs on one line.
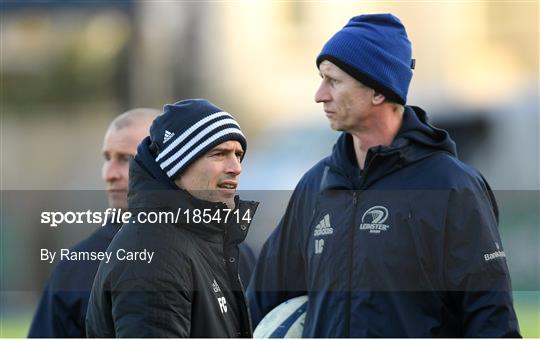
[[415, 140]]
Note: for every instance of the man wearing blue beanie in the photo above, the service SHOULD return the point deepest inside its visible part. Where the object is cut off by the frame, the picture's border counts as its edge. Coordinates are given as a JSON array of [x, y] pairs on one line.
[[391, 235], [174, 268]]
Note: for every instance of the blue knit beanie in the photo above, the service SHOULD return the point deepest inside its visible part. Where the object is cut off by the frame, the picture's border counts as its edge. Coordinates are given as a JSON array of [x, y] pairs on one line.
[[374, 49], [188, 129]]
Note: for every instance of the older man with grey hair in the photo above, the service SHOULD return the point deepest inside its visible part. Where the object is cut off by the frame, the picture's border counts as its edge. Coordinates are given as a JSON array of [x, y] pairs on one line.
[[62, 309]]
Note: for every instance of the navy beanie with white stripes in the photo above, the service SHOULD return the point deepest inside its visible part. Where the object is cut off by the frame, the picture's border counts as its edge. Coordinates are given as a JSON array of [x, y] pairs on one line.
[[374, 49], [188, 129]]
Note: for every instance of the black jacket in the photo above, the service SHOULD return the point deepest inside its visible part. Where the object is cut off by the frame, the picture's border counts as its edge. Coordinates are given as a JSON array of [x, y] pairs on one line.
[[191, 287], [408, 247]]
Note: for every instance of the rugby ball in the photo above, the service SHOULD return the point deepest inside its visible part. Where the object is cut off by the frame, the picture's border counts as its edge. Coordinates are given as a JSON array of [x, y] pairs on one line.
[[284, 321]]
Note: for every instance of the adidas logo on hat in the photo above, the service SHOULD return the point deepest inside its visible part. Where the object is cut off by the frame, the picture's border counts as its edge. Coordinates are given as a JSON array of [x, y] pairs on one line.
[[168, 135]]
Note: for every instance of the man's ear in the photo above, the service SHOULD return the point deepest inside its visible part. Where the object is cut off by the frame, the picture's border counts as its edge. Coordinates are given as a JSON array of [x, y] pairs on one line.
[[378, 98]]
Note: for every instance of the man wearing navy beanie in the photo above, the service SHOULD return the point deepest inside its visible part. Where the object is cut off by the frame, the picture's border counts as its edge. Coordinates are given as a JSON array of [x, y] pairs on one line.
[[174, 268], [391, 235]]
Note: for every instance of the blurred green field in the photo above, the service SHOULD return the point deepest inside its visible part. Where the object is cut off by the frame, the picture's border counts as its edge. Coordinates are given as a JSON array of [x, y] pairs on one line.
[[15, 326], [527, 306]]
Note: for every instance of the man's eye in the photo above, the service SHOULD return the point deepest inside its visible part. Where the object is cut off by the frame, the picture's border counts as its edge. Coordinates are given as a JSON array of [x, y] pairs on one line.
[[124, 158]]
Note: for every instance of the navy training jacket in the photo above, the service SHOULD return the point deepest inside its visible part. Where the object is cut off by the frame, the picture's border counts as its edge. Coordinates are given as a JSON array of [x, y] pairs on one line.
[[62, 308], [408, 247]]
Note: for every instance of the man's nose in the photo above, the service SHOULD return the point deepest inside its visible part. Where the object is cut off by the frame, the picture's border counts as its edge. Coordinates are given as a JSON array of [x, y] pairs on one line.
[[322, 95], [111, 171], [234, 166]]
